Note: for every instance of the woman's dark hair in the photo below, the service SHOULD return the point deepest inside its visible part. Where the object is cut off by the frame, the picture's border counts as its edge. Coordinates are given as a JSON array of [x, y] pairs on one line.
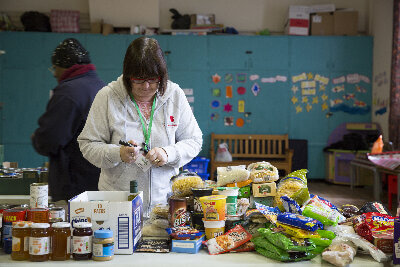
[[145, 59]]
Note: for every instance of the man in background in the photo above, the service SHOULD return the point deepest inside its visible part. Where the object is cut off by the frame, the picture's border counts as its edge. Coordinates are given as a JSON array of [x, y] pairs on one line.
[[69, 172]]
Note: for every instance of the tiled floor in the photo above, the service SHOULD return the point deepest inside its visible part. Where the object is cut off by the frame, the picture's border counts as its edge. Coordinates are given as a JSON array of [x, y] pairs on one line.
[[342, 194]]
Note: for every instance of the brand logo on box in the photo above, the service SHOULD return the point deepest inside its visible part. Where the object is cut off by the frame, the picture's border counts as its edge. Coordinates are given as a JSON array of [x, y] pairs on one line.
[[79, 219]]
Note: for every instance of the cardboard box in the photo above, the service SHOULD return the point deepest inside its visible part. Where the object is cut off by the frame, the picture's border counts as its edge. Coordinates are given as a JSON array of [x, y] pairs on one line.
[[322, 23], [187, 246], [264, 189], [110, 210], [298, 20], [346, 22]]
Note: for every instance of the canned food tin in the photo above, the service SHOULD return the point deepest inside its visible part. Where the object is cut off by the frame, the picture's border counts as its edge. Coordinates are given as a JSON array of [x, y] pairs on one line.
[[39, 195], [38, 215], [177, 212], [14, 215], [57, 212], [4, 207]]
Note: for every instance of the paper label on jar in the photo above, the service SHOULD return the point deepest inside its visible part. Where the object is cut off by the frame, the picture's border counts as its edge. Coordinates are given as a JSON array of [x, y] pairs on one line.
[[82, 244], [16, 243], [39, 245], [26, 243], [39, 196], [98, 250], [103, 250]]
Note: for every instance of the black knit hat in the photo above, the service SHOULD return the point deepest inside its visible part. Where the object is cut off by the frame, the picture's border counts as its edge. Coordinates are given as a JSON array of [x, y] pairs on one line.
[[69, 53]]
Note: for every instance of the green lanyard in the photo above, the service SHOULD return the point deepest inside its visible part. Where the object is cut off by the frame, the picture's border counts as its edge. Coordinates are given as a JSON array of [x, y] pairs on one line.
[[146, 133]]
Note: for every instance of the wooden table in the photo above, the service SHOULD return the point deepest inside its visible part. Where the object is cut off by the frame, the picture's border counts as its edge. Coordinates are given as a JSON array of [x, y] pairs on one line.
[[377, 170]]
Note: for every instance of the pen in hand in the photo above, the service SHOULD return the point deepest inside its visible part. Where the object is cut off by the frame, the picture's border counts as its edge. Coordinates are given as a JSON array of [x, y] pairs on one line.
[[124, 143]]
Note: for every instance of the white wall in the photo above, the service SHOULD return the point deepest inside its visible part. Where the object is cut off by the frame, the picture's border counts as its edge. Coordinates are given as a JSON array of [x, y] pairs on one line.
[[382, 30]]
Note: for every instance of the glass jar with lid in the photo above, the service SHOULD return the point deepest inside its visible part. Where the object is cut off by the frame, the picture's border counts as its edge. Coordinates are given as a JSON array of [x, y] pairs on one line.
[[82, 241], [61, 241], [20, 240], [103, 245], [39, 242]]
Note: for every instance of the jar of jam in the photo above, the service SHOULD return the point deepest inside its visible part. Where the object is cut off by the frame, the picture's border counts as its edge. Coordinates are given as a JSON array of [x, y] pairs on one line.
[[38, 215], [39, 242], [61, 241], [20, 240], [82, 241]]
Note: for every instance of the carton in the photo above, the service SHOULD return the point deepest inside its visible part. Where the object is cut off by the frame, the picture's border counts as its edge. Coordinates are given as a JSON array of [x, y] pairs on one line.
[[187, 246], [346, 22], [264, 189], [322, 23], [110, 210], [298, 20]]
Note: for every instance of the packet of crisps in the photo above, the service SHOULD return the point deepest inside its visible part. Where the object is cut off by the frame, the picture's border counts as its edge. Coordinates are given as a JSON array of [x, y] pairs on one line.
[[297, 232], [269, 212], [228, 241], [285, 242]]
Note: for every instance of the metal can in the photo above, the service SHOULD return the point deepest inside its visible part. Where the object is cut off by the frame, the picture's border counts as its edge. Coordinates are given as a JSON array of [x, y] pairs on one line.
[[177, 211], [4, 207], [39, 195], [38, 215], [57, 212], [14, 215]]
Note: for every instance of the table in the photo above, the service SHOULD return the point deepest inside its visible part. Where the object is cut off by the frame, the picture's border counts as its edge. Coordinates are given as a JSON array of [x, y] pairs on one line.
[[377, 170]]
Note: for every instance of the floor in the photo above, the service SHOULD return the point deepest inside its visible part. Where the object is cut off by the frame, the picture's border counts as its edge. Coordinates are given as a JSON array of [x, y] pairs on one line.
[[342, 194]]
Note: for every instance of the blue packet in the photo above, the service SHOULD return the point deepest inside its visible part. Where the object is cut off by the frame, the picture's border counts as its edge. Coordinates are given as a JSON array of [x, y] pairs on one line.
[[269, 212], [299, 221], [291, 205]]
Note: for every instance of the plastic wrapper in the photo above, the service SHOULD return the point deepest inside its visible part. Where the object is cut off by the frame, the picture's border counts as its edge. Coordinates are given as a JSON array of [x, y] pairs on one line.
[[240, 184], [248, 246], [232, 174], [228, 241], [269, 212], [291, 205], [349, 210], [299, 221], [294, 185], [323, 200], [153, 245], [263, 172], [244, 192], [340, 253], [322, 213], [242, 206], [297, 232], [374, 207], [183, 183], [267, 249], [285, 242], [325, 204], [184, 233], [372, 224]]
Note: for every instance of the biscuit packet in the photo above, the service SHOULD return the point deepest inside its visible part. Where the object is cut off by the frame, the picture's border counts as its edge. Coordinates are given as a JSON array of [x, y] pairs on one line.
[[228, 241]]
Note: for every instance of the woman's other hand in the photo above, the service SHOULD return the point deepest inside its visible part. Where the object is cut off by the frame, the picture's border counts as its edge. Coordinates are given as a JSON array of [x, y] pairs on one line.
[[157, 156], [129, 154]]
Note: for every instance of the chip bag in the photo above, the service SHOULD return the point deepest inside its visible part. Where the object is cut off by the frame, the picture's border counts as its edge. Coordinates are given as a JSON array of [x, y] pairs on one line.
[[294, 185]]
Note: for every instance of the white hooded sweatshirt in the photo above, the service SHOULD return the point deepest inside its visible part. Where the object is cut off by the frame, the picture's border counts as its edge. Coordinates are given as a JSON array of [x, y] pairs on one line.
[[113, 117]]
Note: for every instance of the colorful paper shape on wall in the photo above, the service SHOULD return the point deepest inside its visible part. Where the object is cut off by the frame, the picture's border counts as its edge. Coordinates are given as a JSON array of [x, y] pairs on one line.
[[190, 99], [310, 76], [268, 80], [239, 122], [294, 100], [308, 84], [281, 78], [322, 87], [295, 89], [324, 97], [315, 100], [228, 78], [381, 111], [336, 101], [338, 88], [188, 91], [228, 121], [215, 104], [337, 80], [228, 91], [216, 92], [255, 89], [349, 96], [360, 89], [241, 77], [353, 78], [300, 77], [299, 109], [228, 107], [241, 90], [254, 77], [304, 99], [308, 91], [324, 106], [351, 110], [216, 78], [359, 103], [308, 107], [321, 79], [214, 116], [241, 106]]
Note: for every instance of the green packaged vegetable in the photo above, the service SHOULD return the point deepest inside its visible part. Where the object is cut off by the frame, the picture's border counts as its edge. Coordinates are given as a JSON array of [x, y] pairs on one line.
[[287, 243]]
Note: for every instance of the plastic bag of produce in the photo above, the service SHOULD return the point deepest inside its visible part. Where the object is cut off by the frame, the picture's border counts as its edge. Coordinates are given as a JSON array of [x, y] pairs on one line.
[[183, 183]]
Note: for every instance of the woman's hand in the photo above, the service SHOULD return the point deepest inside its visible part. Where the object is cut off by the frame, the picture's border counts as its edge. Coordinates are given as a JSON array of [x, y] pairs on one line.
[[129, 154], [157, 156]]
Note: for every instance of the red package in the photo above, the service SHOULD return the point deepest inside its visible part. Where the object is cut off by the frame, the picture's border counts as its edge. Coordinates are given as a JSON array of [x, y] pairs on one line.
[[373, 224], [228, 241], [248, 246]]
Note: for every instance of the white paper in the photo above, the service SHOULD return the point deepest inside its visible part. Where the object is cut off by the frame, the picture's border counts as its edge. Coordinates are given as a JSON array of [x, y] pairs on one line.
[[190, 99], [143, 163], [340, 79], [281, 78], [268, 80], [188, 91], [353, 78]]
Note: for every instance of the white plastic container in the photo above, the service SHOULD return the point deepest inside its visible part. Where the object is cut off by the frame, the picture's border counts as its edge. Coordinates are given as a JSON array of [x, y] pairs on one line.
[[231, 199], [214, 228]]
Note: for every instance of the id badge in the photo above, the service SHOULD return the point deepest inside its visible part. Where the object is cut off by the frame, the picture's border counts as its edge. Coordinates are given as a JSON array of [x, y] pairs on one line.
[[143, 163]]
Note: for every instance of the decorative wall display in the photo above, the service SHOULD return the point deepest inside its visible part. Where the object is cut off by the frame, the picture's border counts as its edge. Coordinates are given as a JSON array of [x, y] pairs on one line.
[[216, 78], [228, 121], [228, 91], [228, 107], [214, 116], [215, 104], [216, 92], [228, 78], [268, 80], [239, 122], [300, 77], [254, 77], [241, 90], [241, 77], [188, 91], [241, 106], [255, 89]]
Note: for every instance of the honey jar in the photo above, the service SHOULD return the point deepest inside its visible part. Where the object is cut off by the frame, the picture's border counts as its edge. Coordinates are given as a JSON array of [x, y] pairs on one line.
[[39, 242]]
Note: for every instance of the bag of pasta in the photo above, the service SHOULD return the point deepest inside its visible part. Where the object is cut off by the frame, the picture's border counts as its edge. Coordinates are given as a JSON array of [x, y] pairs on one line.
[[263, 172], [294, 185], [183, 183]]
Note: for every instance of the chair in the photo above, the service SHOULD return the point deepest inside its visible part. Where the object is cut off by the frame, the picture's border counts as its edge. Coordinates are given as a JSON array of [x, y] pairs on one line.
[[392, 188]]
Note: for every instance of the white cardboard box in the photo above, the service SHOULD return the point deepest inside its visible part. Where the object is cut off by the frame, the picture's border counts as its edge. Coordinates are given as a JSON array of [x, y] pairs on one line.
[[110, 210]]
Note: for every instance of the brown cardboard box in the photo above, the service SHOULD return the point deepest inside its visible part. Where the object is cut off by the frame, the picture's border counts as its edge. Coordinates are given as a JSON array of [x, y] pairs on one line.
[[322, 23], [346, 22]]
